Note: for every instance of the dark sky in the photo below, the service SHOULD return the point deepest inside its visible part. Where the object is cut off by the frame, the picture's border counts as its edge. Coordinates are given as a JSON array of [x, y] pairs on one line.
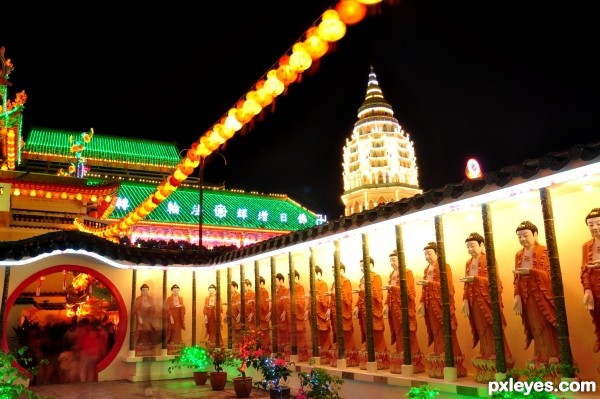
[[503, 82]]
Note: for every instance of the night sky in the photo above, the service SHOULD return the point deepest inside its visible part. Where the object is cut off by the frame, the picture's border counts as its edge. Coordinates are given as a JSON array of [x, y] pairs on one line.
[[502, 82]]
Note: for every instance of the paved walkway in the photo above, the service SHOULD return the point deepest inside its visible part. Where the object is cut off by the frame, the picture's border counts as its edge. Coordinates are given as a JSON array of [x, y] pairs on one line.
[[162, 389]]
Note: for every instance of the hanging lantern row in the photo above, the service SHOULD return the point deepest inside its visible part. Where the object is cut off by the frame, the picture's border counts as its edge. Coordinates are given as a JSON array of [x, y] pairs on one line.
[[9, 135], [314, 44], [49, 194]]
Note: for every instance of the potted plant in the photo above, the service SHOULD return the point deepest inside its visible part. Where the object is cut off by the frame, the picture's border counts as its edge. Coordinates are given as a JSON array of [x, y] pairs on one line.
[[220, 357], [15, 371], [245, 353], [193, 357], [319, 384], [274, 368]]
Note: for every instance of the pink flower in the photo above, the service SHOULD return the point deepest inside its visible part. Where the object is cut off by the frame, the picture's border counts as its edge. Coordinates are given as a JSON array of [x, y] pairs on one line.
[[280, 362], [300, 394]]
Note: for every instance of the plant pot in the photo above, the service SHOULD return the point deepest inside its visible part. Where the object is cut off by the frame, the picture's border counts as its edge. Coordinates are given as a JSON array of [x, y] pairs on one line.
[[282, 392], [218, 379], [200, 377], [242, 386]]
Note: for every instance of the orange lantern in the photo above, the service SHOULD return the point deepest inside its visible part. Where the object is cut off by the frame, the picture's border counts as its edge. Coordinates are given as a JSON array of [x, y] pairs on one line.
[[300, 59], [314, 45], [285, 73], [331, 28], [261, 96], [351, 11], [251, 106], [231, 124], [274, 86]]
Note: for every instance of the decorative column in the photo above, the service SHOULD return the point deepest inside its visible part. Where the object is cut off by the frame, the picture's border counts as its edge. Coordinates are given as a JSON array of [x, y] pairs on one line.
[[562, 328], [132, 314], [293, 321]]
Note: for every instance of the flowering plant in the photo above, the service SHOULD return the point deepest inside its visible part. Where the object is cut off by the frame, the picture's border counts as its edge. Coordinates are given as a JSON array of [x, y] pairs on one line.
[[319, 384], [222, 357], [273, 368], [246, 351]]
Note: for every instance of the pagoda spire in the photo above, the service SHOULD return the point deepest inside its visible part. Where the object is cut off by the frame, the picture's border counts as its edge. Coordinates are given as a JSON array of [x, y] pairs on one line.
[[380, 165]]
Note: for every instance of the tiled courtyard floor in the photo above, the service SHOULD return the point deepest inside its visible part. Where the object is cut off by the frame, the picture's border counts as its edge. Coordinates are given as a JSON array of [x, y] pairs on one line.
[[123, 389]]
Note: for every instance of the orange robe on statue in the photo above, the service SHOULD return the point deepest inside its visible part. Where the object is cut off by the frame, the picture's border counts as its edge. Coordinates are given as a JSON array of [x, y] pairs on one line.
[[431, 297], [264, 323], [376, 311], [176, 312], [590, 279], [210, 311], [477, 293], [323, 326], [395, 312], [538, 315], [236, 309], [300, 316], [282, 300]]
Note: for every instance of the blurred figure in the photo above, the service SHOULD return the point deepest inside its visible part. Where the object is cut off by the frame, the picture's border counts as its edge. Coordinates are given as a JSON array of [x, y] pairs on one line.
[[91, 345]]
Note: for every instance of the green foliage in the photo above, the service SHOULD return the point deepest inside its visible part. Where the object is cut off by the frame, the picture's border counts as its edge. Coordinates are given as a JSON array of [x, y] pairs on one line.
[[11, 373], [422, 392], [194, 357], [319, 384]]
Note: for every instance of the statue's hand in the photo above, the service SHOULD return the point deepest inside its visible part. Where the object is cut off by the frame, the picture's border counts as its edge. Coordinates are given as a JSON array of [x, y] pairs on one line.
[[421, 310], [205, 319], [588, 299], [355, 313], [518, 305], [386, 311], [465, 308], [328, 315]]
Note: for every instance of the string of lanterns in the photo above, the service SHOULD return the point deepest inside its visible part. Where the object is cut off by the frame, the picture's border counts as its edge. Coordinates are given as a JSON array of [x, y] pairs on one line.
[[314, 44]]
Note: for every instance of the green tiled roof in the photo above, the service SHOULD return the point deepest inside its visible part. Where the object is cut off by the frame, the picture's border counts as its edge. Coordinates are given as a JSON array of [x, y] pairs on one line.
[[221, 208], [103, 148]]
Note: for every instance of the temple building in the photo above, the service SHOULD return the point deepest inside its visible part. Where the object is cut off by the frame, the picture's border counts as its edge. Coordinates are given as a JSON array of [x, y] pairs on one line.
[[380, 165], [60, 176]]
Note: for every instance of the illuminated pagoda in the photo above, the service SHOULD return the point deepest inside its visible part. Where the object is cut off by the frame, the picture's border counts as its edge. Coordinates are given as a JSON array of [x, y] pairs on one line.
[[379, 159]]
